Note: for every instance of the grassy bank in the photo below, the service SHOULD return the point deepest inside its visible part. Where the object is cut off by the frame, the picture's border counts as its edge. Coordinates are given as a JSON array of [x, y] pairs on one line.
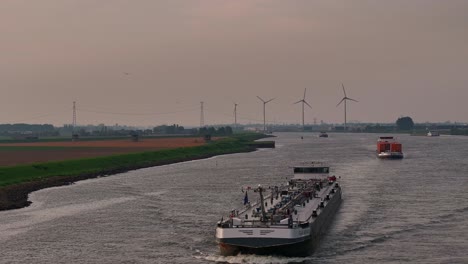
[[16, 182], [19, 174]]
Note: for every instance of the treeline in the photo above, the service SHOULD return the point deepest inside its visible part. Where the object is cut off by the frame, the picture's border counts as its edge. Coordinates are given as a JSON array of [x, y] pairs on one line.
[[37, 130], [180, 130], [377, 128], [174, 129], [27, 129], [459, 131], [220, 131], [101, 130]]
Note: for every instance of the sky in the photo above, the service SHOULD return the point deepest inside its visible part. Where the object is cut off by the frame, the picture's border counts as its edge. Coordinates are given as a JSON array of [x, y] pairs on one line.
[[146, 62]]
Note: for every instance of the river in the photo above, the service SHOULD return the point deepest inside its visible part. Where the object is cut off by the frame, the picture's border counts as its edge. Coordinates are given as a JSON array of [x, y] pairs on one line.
[[413, 210]]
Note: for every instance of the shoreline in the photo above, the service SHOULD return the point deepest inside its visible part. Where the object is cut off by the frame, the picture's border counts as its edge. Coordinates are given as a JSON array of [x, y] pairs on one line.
[[17, 196]]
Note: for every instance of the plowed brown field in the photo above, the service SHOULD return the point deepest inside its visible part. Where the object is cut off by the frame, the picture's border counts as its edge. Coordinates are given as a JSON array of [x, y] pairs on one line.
[[86, 149]]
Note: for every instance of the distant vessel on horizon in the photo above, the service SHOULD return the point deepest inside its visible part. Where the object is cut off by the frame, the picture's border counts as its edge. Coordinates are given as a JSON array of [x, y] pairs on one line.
[[323, 134], [433, 133]]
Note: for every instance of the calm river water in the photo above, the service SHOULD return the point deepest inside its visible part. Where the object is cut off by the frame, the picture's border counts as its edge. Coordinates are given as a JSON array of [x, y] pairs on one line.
[[413, 210]]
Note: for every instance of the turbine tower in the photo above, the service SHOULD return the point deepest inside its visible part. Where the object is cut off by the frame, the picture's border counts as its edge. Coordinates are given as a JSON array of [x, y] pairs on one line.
[[345, 98], [202, 115], [303, 101], [264, 117], [74, 132], [74, 118], [235, 115]]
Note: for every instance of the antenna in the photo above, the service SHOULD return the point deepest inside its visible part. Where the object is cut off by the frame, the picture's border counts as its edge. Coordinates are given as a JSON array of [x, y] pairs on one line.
[[345, 98], [264, 116], [304, 102], [202, 115]]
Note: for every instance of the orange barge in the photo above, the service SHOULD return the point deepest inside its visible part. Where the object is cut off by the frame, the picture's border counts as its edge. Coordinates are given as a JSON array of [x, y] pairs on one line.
[[389, 148]]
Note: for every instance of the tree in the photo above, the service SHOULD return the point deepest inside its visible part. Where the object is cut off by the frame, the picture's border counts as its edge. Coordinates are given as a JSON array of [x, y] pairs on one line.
[[211, 131], [203, 131], [405, 123], [221, 131]]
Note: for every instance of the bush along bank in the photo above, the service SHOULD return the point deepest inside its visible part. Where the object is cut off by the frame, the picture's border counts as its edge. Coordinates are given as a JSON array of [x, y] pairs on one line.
[[16, 182]]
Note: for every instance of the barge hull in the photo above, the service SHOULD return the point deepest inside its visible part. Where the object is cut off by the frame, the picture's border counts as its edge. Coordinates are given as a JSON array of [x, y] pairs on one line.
[[303, 246], [390, 156]]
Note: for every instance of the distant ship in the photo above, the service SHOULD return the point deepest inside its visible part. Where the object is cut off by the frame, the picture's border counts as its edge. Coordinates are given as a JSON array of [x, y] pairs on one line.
[[433, 134], [389, 148], [323, 134], [287, 220]]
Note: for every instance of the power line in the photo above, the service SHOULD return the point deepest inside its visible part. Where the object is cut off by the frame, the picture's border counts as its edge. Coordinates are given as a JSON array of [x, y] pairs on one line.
[[55, 113], [135, 114], [242, 117]]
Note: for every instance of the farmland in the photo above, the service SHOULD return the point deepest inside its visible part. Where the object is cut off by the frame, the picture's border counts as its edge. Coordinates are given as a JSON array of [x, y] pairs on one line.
[[17, 181], [35, 152]]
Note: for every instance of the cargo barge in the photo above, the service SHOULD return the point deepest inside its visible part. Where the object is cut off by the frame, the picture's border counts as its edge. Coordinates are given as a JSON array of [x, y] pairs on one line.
[[286, 220], [389, 148]]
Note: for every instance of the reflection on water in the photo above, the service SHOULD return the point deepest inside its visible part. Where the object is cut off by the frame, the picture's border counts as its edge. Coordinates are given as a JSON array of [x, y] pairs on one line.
[[410, 210]]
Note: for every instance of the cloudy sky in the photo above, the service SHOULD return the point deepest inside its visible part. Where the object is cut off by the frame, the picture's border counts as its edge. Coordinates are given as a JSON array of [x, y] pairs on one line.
[[148, 62]]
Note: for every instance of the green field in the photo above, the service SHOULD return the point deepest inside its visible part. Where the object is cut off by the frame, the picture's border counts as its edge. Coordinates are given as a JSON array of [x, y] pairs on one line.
[[23, 173]]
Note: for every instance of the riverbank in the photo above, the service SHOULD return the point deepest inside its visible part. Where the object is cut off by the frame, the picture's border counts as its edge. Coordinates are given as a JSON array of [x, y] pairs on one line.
[[17, 182]]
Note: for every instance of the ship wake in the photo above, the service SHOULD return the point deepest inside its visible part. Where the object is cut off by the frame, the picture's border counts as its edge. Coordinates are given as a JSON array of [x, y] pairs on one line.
[[254, 259], [354, 239]]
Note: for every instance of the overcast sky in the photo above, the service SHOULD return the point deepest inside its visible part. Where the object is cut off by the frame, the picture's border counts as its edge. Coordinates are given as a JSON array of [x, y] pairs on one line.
[[149, 62]]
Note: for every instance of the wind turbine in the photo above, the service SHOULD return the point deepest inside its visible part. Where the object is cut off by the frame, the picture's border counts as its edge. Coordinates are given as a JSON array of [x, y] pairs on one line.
[[303, 101], [264, 119], [345, 98]]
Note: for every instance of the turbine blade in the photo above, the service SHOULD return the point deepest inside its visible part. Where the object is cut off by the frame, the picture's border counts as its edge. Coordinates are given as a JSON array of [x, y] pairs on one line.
[[344, 98], [352, 99], [303, 98], [344, 91], [308, 104], [298, 101], [261, 99], [270, 100]]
